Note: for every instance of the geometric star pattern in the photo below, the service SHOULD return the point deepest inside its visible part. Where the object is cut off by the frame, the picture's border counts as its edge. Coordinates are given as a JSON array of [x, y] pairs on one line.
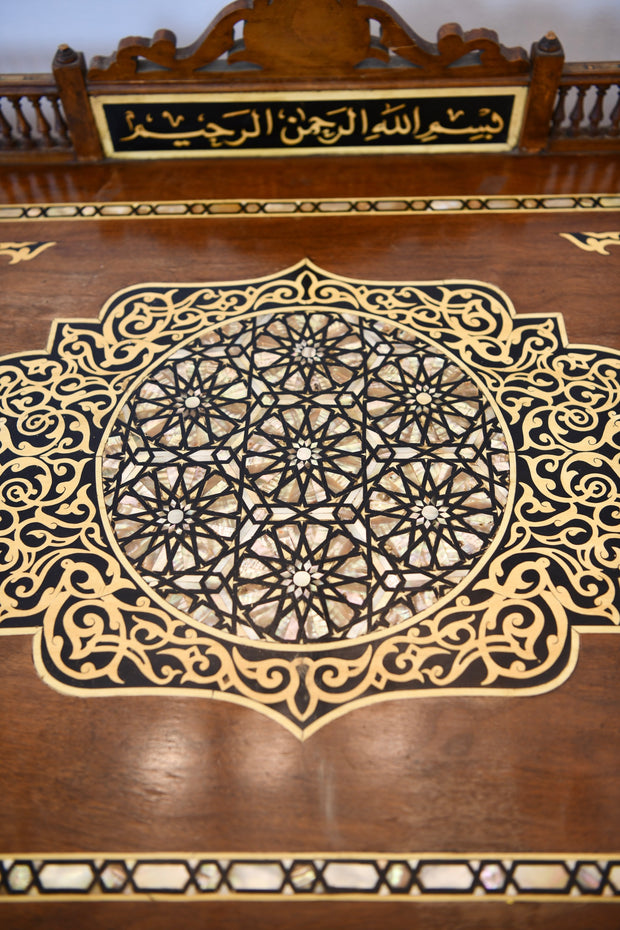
[[304, 477]]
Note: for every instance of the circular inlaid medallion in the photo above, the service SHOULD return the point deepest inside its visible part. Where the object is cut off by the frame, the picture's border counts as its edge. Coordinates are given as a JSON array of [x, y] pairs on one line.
[[304, 477]]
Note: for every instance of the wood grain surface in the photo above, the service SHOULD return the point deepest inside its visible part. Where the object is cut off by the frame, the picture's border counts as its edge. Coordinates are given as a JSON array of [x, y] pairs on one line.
[[327, 915], [431, 774]]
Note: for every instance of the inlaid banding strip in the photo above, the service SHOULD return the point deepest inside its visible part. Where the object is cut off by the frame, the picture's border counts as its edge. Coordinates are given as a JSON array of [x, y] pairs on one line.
[[226, 876], [561, 203]]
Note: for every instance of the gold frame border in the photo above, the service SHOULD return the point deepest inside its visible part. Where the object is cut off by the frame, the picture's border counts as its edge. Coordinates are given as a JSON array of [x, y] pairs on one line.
[[519, 93]]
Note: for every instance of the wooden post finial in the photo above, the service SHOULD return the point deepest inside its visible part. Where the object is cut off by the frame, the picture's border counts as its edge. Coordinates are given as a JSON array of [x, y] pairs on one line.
[[547, 66], [69, 70], [65, 55], [550, 44]]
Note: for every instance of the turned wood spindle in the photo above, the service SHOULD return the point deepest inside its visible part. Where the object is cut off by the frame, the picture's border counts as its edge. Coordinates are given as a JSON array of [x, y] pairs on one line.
[[60, 127], [577, 113], [597, 111], [43, 126], [6, 130], [559, 114], [23, 126]]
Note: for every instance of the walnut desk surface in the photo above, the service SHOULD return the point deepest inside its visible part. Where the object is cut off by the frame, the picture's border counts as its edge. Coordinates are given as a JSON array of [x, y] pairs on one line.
[[141, 774]]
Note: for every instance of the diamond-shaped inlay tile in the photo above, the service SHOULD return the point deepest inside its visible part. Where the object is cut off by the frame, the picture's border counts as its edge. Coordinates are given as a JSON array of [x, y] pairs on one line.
[[20, 877], [492, 876], [208, 876], [398, 876], [114, 876], [303, 876], [589, 877]]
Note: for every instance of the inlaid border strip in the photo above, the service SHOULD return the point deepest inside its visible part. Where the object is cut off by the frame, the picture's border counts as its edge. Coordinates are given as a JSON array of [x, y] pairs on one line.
[[306, 876], [325, 206]]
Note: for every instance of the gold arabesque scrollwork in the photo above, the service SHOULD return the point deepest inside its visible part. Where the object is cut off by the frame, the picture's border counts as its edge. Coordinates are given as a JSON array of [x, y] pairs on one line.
[[514, 625], [597, 242], [23, 251]]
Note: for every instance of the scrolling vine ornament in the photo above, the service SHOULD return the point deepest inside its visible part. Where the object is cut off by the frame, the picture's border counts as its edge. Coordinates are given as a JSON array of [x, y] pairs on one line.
[[305, 493], [23, 251]]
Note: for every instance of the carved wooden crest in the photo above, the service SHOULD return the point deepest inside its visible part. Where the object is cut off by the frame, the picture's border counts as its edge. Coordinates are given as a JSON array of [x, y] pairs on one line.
[[318, 38]]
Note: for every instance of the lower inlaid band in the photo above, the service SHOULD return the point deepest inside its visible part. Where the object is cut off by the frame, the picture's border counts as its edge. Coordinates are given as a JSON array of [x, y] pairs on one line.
[[317, 876]]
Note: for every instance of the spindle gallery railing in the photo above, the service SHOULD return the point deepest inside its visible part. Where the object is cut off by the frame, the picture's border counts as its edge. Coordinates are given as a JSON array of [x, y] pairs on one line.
[[31, 116], [311, 46], [586, 115]]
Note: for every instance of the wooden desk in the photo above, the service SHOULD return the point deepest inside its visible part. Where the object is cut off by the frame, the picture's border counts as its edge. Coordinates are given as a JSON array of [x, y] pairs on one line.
[[499, 781]]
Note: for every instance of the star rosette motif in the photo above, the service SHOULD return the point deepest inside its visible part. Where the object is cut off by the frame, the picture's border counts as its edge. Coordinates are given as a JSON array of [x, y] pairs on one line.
[[307, 493]]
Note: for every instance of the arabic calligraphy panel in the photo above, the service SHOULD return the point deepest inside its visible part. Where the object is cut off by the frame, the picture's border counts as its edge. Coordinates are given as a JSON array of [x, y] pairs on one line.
[[182, 125]]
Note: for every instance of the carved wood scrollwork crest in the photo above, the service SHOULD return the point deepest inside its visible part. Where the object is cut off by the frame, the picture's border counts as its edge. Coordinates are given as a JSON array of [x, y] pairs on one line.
[[318, 38]]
